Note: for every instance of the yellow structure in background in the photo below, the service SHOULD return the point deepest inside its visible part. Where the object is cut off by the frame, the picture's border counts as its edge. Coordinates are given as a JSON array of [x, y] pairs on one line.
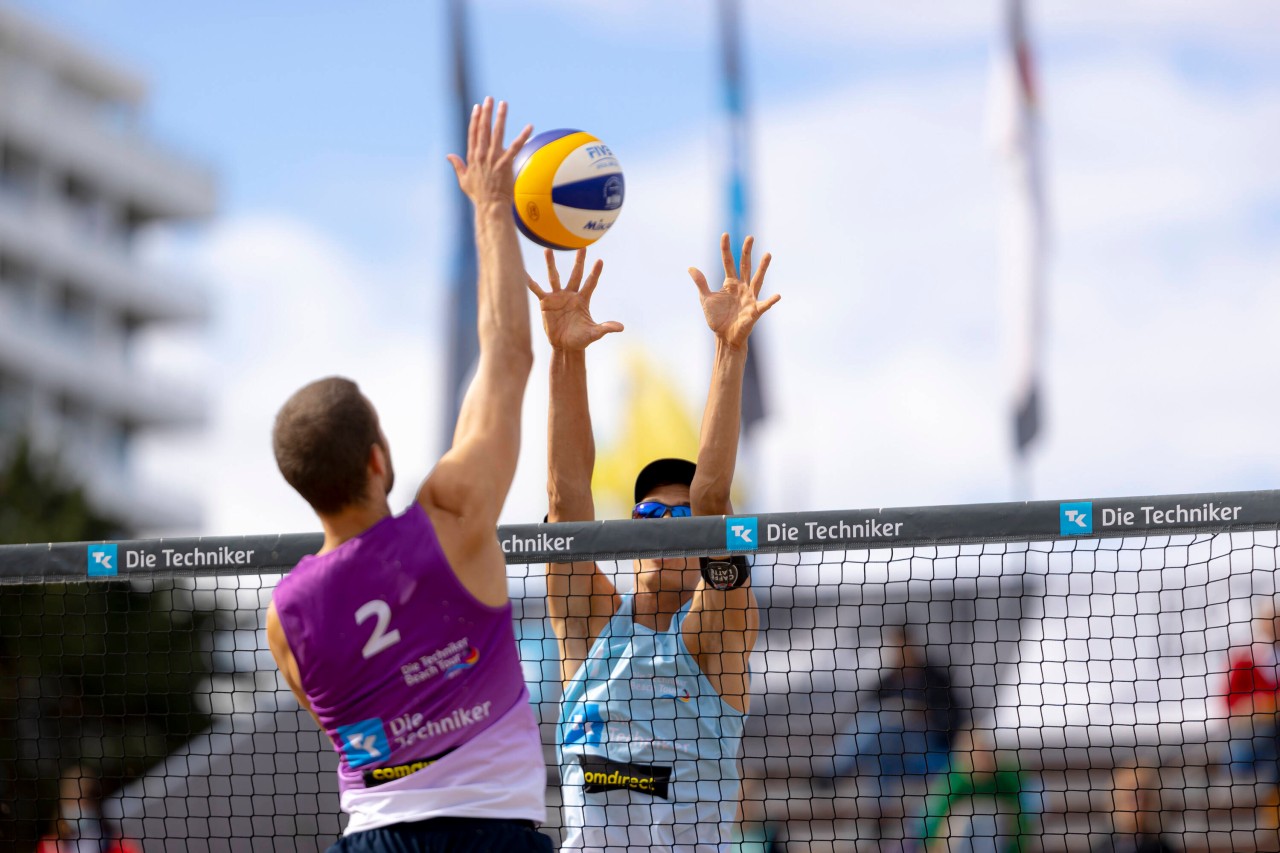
[[656, 422]]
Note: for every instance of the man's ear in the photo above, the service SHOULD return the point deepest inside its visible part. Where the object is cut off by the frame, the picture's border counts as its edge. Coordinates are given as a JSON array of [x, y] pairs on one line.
[[377, 459]]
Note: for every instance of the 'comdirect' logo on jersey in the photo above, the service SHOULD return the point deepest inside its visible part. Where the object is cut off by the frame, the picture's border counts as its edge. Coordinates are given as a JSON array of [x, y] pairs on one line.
[[1075, 519], [383, 775], [599, 774], [364, 742], [103, 560], [740, 533], [464, 664]]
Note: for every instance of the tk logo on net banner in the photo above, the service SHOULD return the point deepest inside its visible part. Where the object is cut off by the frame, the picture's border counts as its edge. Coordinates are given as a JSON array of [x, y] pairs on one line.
[[103, 560], [1075, 519], [741, 534]]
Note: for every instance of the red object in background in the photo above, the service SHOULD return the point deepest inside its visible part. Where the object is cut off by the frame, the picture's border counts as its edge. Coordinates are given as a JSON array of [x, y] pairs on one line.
[[1247, 679]]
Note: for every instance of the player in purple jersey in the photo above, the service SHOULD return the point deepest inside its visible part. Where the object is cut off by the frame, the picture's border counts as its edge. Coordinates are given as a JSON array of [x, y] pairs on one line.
[[617, 706], [397, 635]]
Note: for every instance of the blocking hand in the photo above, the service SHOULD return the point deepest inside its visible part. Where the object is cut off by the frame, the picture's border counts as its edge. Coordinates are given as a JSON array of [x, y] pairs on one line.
[[732, 311], [486, 175], [566, 311]]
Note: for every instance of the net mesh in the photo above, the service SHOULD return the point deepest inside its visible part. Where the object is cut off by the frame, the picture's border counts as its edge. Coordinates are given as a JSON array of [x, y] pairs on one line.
[[1070, 694]]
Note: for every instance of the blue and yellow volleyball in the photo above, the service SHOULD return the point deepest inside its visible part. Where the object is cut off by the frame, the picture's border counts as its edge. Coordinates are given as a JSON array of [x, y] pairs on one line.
[[569, 189]]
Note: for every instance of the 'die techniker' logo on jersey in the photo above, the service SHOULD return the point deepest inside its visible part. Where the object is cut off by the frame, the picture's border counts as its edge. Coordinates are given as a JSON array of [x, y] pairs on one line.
[[364, 742]]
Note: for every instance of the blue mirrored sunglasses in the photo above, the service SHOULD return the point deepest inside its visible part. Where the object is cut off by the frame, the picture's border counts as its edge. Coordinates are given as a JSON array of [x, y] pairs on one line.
[[655, 509]]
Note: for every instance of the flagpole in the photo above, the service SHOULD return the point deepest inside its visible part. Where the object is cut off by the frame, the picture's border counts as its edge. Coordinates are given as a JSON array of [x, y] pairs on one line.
[[737, 197], [738, 207], [1022, 490], [735, 106], [464, 343]]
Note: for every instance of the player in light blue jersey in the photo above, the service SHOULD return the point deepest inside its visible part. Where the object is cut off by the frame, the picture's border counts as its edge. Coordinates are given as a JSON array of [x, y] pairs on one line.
[[657, 682]]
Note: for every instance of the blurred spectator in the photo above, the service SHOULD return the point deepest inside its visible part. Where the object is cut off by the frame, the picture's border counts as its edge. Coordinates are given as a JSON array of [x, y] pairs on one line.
[[903, 728], [1135, 814], [80, 827], [984, 804], [1251, 700]]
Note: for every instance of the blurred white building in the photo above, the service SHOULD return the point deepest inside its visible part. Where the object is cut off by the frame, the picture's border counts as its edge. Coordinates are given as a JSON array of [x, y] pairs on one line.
[[78, 180]]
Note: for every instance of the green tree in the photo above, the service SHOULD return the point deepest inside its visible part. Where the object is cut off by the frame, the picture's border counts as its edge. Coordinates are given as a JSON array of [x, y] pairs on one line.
[[37, 506], [102, 674]]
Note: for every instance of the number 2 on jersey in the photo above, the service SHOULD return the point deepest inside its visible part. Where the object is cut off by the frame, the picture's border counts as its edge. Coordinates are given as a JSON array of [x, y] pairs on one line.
[[382, 638]]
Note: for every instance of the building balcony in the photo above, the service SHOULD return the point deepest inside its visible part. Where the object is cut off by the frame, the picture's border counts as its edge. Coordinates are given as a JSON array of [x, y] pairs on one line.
[[44, 238], [125, 163], [96, 75], [117, 492], [99, 380], [80, 176]]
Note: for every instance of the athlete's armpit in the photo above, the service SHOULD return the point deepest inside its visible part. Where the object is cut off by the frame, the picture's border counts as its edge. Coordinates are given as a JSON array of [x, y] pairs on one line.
[[279, 645]]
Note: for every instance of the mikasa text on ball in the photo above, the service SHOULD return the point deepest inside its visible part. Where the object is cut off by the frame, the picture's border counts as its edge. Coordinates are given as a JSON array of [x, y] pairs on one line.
[[569, 189]]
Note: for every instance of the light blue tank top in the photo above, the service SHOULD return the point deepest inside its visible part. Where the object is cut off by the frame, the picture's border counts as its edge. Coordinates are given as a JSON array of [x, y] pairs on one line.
[[647, 746]]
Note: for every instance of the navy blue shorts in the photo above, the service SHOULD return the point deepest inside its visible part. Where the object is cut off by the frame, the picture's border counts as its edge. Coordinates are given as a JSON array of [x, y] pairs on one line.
[[448, 835]]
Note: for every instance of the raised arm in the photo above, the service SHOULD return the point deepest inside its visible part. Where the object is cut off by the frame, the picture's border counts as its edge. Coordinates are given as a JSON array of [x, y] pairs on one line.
[[466, 491], [720, 630], [731, 313], [580, 598]]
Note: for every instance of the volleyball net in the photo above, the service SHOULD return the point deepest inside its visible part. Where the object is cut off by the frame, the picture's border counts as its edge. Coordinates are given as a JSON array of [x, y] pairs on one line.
[[1034, 676]]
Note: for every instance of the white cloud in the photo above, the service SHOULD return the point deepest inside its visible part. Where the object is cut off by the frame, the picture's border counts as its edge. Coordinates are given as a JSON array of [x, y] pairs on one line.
[[292, 306], [886, 253], [1249, 24]]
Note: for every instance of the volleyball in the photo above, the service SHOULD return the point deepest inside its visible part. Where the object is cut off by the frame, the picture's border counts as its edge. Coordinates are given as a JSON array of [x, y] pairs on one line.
[[569, 189]]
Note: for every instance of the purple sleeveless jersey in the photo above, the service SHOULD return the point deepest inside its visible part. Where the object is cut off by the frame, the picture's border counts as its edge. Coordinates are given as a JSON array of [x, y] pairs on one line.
[[401, 663]]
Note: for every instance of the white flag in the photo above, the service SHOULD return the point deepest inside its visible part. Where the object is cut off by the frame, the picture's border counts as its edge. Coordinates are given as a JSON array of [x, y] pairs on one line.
[[1016, 125]]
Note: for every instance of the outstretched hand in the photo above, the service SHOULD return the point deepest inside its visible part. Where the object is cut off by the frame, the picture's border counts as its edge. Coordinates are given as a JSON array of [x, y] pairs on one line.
[[486, 175], [566, 311], [732, 311]]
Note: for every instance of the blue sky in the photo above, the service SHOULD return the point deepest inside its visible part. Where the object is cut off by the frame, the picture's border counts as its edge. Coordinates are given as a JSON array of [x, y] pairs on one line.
[[306, 107], [876, 187]]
